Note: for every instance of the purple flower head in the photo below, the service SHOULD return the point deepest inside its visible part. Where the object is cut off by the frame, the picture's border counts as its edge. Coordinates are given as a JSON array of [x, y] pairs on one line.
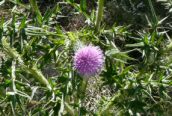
[[88, 60]]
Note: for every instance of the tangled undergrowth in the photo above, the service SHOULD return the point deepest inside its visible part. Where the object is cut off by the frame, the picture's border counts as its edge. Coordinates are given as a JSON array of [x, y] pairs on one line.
[[85, 57]]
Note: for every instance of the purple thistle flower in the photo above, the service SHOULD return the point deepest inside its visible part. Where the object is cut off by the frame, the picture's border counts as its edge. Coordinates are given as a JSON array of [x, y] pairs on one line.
[[88, 60]]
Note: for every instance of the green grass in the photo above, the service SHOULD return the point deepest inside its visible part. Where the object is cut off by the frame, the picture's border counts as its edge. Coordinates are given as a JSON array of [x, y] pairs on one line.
[[38, 42]]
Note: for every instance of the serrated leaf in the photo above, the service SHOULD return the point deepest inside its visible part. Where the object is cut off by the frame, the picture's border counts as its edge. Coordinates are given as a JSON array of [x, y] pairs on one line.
[[83, 5], [36, 10]]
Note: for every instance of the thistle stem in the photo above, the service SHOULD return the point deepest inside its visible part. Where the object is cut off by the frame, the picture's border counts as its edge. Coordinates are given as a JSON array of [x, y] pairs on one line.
[[99, 14], [34, 71], [82, 95], [109, 104]]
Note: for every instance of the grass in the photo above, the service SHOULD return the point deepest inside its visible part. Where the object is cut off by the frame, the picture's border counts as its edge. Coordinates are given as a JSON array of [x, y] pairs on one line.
[[39, 41]]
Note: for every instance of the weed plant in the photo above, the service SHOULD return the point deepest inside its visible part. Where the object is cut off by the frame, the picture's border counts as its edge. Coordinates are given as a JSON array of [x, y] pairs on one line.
[[87, 57]]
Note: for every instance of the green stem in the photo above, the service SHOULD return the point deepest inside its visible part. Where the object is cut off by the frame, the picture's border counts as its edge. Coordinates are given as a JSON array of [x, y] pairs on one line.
[[169, 47], [38, 75], [109, 104], [99, 14], [83, 88], [69, 109], [34, 71], [82, 94]]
